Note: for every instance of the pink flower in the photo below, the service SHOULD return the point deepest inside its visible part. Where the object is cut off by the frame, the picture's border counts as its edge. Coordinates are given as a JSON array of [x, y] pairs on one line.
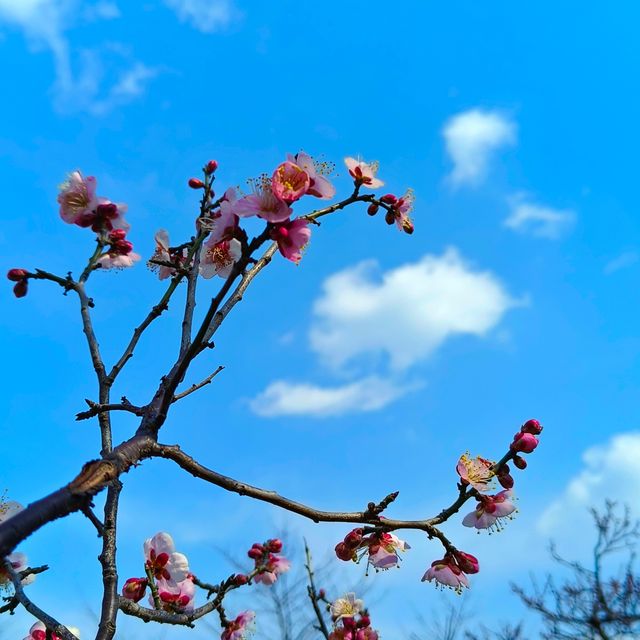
[[446, 573], [475, 471], [363, 173], [9, 509], [19, 563], [273, 567], [39, 632], [77, 197], [401, 209], [218, 258], [134, 589], [383, 550], [161, 254], [290, 182], [223, 221], [292, 237], [489, 510], [319, 186], [524, 442], [163, 560], [120, 253], [107, 216], [176, 596], [240, 628], [264, 203]]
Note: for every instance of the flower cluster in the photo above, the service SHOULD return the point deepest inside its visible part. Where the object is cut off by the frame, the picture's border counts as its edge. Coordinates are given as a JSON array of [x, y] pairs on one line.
[[268, 564], [39, 632], [450, 571], [351, 620], [381, 548], [240, 628]]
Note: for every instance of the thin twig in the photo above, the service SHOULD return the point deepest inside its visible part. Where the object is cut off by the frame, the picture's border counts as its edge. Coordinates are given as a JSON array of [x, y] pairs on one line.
[[195, 387]]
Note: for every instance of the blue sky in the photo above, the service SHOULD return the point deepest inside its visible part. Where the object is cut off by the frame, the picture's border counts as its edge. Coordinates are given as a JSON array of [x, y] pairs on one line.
[[515, 297]]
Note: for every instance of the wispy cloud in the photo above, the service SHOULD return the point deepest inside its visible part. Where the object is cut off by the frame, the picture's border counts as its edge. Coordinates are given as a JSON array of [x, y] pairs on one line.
[[471, 140], [539, 220], [84, 85], [405, 313], [623, 261], [285, 398], [207, 16]]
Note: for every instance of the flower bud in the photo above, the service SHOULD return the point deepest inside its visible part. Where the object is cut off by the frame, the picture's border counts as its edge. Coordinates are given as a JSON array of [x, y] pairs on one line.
[[240, 579], [389, 198], [196, 183], [343, 552], [322, 594], [390, 217], [532, 426], [364, 621], [372, 209], [275, 545], [117, 234], [20, 289], [520, 462], [210, 167], [255, 554], [349, 624], [15, 275], [467, 562], [506, 480], [524, 442], [134, 589], [353, 538]]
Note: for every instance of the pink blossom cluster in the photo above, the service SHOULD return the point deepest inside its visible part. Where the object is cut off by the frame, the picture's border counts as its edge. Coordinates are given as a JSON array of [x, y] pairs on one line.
[[451, 570], [268, 564], [240, 628], [381, 548], [39, 632], [351, 620]]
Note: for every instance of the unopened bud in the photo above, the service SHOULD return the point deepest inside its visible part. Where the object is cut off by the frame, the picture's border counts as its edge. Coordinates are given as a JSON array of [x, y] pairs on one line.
[[20, 289], [117, 234], [389, 217], [134, 589], [210, 167], [506, 480], [389, 198], [467, 562], [240, 579], [343, 552], [372, 209], [322, 594], [15, 275], [254, 553], [524, 442], [532, 426], [520, 462], [364, 621], [275, 545], [353, 538], [196, 183]]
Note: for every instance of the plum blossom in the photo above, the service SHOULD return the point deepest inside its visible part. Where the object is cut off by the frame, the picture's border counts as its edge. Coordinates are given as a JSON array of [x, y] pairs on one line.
[[446, 573], [120, 252], [77, 197], [163, 560], [292, 237], [163, 254], [319, 186], [271, 568], [263, 203], [134, 589], [290, 181], [240, 628], [383, 550], [39, 632], [9, 509], [19, 563], [489, 510], [478, 472], [363, 173], [218, 258], [223, 221], [402, 209], [346, 607], [176, 595]]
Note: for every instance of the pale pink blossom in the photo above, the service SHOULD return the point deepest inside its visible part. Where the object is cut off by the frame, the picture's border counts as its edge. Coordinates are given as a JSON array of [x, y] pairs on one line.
[[319, 186], [176, 595], [264, 203], [363, 173], [19, 562], [118, 261], [383, 550], [163, 560], [9, 509], [219, 258], [346, 607], [240, 628], [446, 573], [292, 237], [162, 254], [77, 197], [39, 632], [290, 181], [106, 217], [273, 567], [489, 510], [402, 209], [223, 220], [478, 472]]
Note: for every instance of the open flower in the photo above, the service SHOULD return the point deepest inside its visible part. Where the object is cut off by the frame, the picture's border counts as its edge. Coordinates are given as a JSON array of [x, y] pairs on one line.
[[39, 632], [478, 472], [489, 510], [223, 221], [319, 186], [9, 509], [19, 563], [240, 628], [401, 210], [446, 573], [176, 596], [346, 607], [163, 560], [263, 203], [292, 237], [383, 550], [272, 568], [363, 173], [218, 258], [290, 181], [77, 197]]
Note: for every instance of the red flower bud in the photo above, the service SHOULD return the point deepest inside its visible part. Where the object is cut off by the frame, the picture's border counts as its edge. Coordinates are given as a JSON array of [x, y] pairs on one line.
[[364, 621], [524, 442], [117, 234], [210, 167], [15, 275], [349, 624], [254, 553], [275, 545], [353, 538], [532, 426], [389, 198], [467, 562], [343, 552], [134, 589], [372, 209], [390, 217], [196, 183], [506, 480], [240, 579], [520, 462], [322, 594], [20, 289]]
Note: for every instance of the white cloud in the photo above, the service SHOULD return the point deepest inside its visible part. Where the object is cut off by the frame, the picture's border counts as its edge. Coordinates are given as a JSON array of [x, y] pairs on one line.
[[623, 261], [282, 398], [205, 15], [609, 471], [539, 220], [405, 313], [45, 23], [472, 138]]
